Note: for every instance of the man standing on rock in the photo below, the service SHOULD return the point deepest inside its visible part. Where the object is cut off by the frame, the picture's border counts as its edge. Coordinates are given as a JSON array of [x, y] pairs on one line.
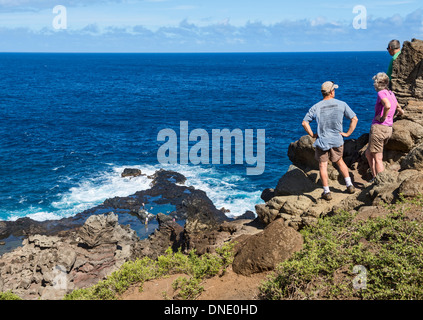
[[329, 114], [394, 49]]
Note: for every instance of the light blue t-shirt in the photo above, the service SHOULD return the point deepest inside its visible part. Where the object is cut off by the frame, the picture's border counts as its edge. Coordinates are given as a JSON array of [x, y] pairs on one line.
[[329, 115]]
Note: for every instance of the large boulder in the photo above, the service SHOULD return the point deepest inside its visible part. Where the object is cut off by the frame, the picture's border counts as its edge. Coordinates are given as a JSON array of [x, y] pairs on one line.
[[294, 182], [407, 72], [267, 194], [405, 135], [414, 159], [412, 186], [414, 112], [265, 250], [386, 188], [301, 153], [291, 208], [98, 229], [265, 213]]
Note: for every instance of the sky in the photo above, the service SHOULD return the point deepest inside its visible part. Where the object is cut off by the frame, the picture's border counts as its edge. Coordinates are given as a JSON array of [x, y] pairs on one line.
[[206, 25]]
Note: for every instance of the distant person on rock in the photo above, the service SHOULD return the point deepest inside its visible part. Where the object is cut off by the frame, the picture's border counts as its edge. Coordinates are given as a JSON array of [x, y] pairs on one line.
[[381, 129], [394, 49], [329, 114]]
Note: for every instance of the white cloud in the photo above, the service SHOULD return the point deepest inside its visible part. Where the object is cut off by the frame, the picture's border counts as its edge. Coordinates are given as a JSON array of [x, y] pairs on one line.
[[320, 34], [318, 21]]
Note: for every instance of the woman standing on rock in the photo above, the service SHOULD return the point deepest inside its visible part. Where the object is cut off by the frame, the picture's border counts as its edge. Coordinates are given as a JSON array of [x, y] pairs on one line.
[[381, 129]]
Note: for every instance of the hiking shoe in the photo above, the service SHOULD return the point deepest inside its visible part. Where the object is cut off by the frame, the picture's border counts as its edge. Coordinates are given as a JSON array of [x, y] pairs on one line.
[[327, 196], [351, 189]]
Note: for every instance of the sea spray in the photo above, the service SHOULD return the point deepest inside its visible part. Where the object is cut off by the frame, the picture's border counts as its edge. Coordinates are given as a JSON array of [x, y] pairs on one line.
[[224, 191]]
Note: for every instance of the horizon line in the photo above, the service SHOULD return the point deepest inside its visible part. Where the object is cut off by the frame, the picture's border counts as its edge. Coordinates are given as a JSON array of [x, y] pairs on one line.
[[183, 52]]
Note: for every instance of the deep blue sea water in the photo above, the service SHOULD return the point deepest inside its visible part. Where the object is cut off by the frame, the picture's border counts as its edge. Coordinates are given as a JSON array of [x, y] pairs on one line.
[[70, 123]]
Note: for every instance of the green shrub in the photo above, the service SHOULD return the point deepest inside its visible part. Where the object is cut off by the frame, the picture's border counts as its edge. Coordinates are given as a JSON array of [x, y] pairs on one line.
[[189, 288], [8, 295], [389, 249]]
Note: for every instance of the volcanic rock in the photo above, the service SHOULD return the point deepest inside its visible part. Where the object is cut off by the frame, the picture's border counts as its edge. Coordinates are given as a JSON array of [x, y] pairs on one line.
[[48, 267], [131, 172], [407, 72], [294, 182], [265, 250]]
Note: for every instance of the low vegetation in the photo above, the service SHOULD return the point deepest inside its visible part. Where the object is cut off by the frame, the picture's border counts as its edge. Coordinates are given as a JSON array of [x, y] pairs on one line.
[[343, 258], [347, 258], [196, 267], [9, 296]]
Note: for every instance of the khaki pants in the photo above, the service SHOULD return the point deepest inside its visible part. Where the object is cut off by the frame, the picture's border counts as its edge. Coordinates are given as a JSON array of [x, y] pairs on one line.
[[379, 136], [334, 154]]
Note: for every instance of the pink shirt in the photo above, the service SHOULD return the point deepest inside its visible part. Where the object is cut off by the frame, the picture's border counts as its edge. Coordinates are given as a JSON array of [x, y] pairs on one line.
[[389, 121]]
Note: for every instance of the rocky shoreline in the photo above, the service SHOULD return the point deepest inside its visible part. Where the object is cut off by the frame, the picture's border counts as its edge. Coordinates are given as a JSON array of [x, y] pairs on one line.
[[51, 258], [56, 257]]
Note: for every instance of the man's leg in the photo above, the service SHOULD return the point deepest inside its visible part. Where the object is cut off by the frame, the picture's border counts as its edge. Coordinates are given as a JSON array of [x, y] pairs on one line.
[[346, 174], [323, 158], [343, 168], [323, 168]]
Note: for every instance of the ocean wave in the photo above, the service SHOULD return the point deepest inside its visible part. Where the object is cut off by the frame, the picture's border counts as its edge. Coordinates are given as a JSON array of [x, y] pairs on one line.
[[225, 191]]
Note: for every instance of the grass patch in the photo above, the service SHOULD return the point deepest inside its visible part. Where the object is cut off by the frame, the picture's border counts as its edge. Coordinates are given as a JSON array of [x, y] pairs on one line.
[[342, 258], [8, 295]]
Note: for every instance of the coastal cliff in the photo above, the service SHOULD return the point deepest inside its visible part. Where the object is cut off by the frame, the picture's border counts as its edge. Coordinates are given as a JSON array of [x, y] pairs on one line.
[[296, 196], [57, 257]]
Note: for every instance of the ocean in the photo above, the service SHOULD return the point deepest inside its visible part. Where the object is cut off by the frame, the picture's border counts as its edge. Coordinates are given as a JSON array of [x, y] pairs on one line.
[[70, 123]]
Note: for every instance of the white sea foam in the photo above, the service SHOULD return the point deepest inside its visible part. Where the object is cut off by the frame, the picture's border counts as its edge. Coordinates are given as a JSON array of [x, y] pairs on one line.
[[224, 191], [44, 215], [91, 192], [35, 213]]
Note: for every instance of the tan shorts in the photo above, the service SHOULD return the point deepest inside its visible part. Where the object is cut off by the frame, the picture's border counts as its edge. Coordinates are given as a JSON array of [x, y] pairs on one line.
[[379, 136], [334, 154]]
